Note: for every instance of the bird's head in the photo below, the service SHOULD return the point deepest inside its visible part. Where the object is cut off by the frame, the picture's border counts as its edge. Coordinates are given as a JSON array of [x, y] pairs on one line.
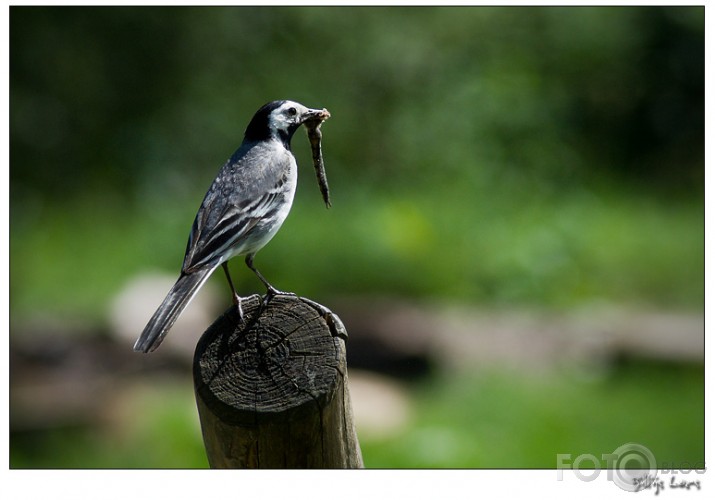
[[280, 119]]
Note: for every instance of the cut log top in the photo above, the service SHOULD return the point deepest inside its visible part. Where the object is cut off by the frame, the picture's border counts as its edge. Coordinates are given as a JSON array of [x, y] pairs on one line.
[[280, 357], [271, 389]]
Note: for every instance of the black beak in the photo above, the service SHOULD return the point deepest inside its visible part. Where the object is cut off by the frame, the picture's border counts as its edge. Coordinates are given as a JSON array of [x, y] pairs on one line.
[[315, 114]]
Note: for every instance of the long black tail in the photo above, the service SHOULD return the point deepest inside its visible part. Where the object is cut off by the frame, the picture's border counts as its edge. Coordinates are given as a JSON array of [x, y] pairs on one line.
[[175, 302]]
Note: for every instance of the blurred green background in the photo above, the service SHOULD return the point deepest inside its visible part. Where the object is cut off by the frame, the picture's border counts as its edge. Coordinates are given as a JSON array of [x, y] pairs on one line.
[[498, 159]]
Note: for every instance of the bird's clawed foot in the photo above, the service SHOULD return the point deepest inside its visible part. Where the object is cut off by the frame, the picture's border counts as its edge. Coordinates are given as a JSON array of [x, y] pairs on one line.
[[239, 309], [273, 292]]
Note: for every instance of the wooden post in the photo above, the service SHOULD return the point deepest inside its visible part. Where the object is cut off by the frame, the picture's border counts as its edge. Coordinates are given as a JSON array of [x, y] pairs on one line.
[[272, 391]]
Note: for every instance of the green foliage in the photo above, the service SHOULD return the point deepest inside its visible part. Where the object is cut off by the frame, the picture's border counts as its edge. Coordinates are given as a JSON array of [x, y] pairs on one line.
[[538, 155], [167, 434], [483, 420], [500, 156], [568, 251], [417, 93], [505, 420]]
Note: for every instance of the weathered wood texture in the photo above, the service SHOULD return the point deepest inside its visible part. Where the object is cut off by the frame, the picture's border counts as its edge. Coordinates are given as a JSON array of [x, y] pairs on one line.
[[272, 391]]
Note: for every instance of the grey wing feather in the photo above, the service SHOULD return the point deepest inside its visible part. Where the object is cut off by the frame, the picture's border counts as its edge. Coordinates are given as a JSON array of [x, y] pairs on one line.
[[232, 206]]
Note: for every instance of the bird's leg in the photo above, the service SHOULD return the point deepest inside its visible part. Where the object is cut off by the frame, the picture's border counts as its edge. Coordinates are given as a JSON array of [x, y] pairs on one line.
[[271, 291], [236, 298]]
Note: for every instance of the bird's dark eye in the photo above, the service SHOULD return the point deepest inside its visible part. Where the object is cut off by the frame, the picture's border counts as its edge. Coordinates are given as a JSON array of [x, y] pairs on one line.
[[292, 111]]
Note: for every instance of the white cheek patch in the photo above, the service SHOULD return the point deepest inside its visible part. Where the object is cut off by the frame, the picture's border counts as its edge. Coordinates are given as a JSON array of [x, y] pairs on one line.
[[279, 119]]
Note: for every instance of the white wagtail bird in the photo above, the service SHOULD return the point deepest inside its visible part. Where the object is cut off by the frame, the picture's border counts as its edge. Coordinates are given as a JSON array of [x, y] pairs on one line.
[[242, 210]]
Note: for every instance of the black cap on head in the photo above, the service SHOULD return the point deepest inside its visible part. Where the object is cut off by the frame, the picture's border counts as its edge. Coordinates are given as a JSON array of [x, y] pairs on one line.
[[258, 129]]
